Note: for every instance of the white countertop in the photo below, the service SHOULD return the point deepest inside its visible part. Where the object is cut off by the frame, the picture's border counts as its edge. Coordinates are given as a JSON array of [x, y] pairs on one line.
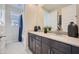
[[61, 38]]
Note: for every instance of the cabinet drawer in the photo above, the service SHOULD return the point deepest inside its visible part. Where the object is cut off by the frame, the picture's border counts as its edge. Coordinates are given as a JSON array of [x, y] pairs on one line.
[[38, 42], [46, 41], [38, 37], [31, 35], [61, 46]]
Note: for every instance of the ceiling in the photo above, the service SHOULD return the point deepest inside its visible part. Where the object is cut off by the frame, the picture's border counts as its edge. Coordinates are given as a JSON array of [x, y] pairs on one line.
[[52, 7]]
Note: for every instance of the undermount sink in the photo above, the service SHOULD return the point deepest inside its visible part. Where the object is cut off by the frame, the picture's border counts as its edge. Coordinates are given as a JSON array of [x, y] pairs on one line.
[[58, 33]]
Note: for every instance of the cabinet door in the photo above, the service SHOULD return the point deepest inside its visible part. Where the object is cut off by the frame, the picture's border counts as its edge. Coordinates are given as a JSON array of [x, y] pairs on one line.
[[75, 50], [45, 45], [33, 46], [30, 41], [38, 47], [45, 49]]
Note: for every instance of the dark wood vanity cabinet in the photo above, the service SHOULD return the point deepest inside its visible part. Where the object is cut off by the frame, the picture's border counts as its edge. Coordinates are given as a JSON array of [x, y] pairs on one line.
[[42, 45], [75, 50]]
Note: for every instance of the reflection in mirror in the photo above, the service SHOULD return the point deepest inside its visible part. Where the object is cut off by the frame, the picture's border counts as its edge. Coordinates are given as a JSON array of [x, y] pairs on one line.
[[54, 20], [50, 20], [59, 20]]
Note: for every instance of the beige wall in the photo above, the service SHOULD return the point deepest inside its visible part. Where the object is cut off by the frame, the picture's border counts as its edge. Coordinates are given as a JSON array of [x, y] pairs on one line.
[[77, 16], [33, 15], [68, 15]]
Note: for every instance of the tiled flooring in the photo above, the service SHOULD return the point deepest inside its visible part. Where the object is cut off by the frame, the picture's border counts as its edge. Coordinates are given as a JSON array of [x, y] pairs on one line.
[[16, 48]]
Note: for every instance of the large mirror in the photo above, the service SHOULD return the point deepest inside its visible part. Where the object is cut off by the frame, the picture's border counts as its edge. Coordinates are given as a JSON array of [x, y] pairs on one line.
[[53, 16], [53, 19]]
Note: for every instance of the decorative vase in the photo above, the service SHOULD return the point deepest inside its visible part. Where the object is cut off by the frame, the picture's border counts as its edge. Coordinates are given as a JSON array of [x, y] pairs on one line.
[[45, 30]]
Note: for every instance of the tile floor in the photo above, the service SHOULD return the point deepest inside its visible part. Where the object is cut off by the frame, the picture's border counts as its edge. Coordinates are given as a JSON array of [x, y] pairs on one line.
[[16, 48]]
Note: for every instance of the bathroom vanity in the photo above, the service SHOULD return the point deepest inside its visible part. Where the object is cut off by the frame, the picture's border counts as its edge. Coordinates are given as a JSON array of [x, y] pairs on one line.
[[50, 43]]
